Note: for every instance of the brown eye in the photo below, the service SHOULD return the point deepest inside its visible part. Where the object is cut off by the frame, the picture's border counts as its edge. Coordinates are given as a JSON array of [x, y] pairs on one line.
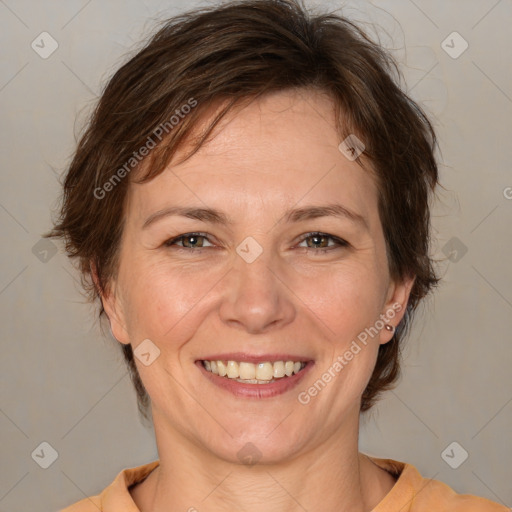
[[321, 241], [188, 241], [318, 241]]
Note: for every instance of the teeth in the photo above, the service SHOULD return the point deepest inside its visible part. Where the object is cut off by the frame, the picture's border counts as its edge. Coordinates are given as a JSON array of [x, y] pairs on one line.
[[264, 371], [249, 373], [221, 368], [233, 370], [254, 381], [278, 369]]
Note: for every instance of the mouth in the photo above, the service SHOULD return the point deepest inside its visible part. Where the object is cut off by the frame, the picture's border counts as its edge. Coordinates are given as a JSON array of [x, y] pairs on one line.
[[255, 379], [250, 373]]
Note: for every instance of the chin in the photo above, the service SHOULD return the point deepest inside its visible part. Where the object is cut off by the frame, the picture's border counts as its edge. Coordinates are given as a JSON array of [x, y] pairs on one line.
[[264, 442]]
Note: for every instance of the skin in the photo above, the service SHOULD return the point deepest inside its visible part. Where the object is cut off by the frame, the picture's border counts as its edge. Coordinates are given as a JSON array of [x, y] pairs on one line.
[[279, 152]]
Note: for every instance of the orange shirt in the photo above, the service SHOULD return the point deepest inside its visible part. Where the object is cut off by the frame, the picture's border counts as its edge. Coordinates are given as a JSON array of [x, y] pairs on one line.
[[411, 493]]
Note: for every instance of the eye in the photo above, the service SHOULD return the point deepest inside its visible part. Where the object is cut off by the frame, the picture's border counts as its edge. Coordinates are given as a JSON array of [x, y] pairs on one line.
[[188, 241], [317, 241], [320, 242]]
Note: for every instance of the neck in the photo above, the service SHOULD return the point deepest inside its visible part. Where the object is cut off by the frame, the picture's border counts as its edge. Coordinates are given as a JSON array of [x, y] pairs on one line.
[[333, 474]]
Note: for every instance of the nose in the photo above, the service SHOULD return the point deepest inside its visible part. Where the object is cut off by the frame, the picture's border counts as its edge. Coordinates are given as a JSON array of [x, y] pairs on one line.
[[256, 297]]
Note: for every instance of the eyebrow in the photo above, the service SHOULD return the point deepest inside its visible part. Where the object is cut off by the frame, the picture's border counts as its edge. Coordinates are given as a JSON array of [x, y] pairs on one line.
[[294, 215]]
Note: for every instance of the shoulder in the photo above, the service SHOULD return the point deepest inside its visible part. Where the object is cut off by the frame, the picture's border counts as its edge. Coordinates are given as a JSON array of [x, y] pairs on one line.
[[117, 495], [414, 493], [448, 500]]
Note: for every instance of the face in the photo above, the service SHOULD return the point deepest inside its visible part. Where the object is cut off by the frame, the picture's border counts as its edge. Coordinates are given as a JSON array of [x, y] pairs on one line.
[[257, 263]]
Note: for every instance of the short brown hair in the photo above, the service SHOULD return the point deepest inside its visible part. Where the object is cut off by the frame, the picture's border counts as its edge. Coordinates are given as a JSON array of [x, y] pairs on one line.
[[231, 53]]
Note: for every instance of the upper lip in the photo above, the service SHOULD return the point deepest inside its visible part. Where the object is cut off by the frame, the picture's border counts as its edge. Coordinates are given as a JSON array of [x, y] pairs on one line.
[[255, 358]]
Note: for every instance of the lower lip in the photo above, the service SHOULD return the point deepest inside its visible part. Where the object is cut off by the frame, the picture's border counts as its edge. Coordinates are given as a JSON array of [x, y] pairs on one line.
[[240, 389]]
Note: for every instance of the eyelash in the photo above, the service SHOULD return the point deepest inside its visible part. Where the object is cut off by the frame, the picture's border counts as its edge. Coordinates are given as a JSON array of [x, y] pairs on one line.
[[339, 242]]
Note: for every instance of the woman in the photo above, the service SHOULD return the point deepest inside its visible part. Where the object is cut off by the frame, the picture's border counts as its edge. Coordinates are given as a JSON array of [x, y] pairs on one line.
[[250, 205]]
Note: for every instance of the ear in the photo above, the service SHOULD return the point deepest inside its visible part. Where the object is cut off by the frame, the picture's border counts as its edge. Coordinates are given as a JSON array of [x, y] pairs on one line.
[[395, 306], [112, 306]]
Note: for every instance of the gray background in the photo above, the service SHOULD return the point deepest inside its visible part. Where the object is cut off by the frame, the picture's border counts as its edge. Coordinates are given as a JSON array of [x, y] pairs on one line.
[[64, 383]]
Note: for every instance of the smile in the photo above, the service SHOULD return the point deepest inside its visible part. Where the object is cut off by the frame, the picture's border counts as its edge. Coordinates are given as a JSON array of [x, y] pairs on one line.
[[254, 380], [250, 373]]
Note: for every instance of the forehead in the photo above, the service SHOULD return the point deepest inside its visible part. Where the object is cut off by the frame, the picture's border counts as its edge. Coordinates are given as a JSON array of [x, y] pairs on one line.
[[279, 151]]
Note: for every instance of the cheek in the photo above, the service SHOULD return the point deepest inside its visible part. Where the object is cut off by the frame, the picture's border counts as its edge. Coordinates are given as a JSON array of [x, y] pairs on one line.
[[347, 300], [162, 299], [345, 297], [167, 301]]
